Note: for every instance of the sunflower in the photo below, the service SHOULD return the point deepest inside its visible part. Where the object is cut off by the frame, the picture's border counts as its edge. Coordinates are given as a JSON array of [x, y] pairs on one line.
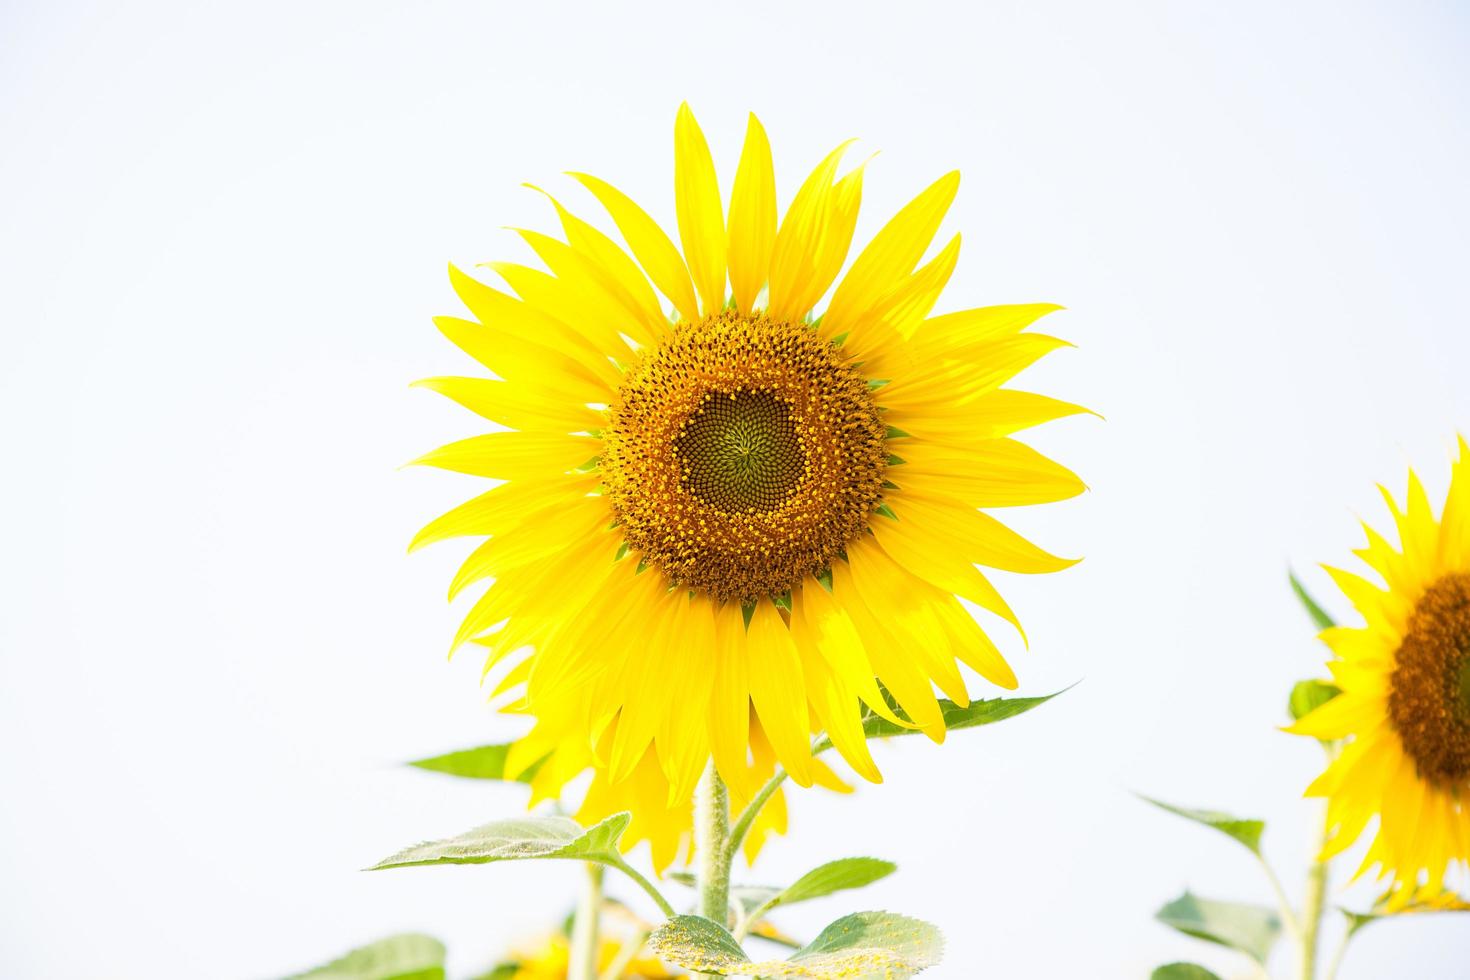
[[1405, 701], [728, 526], [550, 959]]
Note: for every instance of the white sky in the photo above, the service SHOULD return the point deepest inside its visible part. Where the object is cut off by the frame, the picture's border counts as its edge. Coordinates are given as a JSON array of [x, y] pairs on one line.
[[225, 230]]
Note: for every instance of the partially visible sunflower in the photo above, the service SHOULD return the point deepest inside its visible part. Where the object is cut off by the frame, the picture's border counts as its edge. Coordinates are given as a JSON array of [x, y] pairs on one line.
[[1405, 701], [550, 959], [730, 528]]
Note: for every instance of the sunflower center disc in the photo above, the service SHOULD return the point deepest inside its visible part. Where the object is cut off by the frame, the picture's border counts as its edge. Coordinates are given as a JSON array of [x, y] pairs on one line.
[[1429, 695], [741, 455], [741, 452]]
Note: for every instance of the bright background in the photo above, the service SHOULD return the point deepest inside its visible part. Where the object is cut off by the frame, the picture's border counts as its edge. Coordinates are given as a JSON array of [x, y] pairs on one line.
[[225, 229]]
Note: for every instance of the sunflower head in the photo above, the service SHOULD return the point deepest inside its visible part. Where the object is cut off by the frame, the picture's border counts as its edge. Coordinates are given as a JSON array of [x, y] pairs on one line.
[[741, 455], [731, 523], [1405, 703]]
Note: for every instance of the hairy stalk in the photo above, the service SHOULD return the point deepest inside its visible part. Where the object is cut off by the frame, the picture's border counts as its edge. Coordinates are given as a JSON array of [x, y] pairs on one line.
[[583, 965], [1311, 917], [711, 837], [711, 846]]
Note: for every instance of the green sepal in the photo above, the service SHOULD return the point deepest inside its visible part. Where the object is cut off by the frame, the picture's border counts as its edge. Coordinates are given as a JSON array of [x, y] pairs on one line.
[[1314, 610], [1308, 696], [481, 762]]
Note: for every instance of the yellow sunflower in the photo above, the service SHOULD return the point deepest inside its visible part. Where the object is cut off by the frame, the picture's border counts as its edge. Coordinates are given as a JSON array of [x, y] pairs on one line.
[[551, 960], [1405, 701], [729, 525]]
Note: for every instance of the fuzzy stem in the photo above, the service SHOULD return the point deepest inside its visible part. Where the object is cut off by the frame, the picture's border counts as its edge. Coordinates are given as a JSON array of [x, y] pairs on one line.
[[711, 838], [583, 965], [1311, 917]]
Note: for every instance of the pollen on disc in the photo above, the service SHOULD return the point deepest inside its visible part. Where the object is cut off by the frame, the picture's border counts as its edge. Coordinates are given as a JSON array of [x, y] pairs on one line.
[[743, 454]]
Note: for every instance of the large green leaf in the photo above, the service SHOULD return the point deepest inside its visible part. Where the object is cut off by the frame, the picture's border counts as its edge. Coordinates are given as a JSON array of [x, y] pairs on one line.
[[698, 944], [518, 840], [1182, 971], [1247, 832], [481, 762], [1308, 696], [1251, 929], [870, 945], [863, 946], [1318, 615], [409, 956]]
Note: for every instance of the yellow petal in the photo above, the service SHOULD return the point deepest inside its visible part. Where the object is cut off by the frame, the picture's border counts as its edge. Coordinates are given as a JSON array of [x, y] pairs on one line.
[[978, 537], [618, 272], [795, 255], [779, 691], [752, 218], [658, 256], [515, 406], [926, 553], [997, 473], [729, 717], [513, 455], [1347, 714], [513, 324], [697, 203], [497, 511], [899, 672], [891, 255]]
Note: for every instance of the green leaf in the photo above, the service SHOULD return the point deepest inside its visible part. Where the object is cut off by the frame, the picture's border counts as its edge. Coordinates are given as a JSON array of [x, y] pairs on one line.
[[409, 956], [1251, 929], [1308, 696], [501, 971], [1182, 971], [699, 945], [834, 876], [863, 946], [1318, 615], [984, 712], [1247, 832], [869, 945], [518, 840], [482, 762]]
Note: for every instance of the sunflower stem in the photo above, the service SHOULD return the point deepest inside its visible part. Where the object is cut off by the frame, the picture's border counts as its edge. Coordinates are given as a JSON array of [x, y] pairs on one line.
[[1312, 901], [584, 949], [1339, 954], [711, 839]]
